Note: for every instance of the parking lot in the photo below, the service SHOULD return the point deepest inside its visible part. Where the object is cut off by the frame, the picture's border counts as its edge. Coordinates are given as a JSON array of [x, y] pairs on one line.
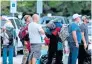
[[16, 60]]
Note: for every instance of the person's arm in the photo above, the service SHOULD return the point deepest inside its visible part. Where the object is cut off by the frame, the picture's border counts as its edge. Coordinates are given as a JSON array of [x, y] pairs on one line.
[[83, 37], [41, 30], [75, 38], [74, 35], [84, 40]]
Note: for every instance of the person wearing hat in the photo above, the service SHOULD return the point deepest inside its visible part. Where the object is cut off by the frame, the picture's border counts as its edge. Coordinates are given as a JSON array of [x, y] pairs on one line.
[[84, 42], [74, 39]]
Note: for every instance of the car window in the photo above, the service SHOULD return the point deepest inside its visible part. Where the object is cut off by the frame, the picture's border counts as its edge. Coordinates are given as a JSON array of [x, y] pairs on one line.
[[90, 31], [66, 21], [90, 24], [12, 22], [60, 20], [17, 23], [3, 22]]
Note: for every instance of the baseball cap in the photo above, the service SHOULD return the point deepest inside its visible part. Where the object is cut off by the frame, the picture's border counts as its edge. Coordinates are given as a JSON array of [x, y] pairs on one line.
[[85, 17], [76, 16]]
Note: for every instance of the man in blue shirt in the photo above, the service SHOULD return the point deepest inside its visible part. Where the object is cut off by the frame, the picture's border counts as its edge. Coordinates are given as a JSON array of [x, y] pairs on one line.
[[74, 39]]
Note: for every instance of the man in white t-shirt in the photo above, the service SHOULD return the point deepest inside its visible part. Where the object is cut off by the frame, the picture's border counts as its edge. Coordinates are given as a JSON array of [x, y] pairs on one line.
[[35, 31]]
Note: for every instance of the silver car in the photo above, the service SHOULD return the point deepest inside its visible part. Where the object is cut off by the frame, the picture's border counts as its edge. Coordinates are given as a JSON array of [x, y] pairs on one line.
[[90, 34]]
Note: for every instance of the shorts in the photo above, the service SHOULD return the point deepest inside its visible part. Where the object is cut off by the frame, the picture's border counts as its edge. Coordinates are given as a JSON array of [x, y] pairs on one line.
[[35, 51]]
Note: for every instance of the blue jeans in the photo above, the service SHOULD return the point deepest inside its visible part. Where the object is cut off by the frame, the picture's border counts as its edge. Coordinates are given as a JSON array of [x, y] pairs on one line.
[[73, 53], [9, 50]]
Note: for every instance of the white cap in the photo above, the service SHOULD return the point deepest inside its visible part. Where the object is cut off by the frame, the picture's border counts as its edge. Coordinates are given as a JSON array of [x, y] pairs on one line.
[[76, 16]]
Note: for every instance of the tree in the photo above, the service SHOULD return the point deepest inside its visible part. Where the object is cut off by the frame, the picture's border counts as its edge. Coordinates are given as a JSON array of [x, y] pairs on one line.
[[65, 8]]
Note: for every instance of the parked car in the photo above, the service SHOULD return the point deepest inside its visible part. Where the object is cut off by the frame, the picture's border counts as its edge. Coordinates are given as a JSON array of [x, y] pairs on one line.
[[17, 25], [61, 19], [90, 34]]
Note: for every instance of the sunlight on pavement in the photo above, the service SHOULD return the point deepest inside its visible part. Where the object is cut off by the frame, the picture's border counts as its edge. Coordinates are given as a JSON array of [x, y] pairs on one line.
[[16, 60]]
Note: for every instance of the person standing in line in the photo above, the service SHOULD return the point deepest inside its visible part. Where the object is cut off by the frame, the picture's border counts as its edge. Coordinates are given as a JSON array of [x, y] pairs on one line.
[[74, 39], [84, 42], [8, 35], [25, 40], [55, 43], [35, 31]]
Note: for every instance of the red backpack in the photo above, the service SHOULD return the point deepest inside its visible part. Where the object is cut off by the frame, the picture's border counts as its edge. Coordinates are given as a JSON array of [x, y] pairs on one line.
[[23, 32]]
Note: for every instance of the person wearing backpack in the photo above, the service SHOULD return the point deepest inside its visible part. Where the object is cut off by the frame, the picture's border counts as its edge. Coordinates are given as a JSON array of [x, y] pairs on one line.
[[25, 39], [8, 35], [35, 34], [55, 46], [74, 39]]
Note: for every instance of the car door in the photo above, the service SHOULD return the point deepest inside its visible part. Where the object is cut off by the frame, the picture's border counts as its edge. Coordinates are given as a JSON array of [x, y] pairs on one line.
[[17, 24]]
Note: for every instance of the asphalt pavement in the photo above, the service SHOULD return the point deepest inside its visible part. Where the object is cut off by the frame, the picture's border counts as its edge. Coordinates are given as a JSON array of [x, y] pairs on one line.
[[16, 60]]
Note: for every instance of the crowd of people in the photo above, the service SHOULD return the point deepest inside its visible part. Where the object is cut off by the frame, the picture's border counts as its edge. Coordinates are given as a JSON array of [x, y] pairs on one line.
[[32, 42]]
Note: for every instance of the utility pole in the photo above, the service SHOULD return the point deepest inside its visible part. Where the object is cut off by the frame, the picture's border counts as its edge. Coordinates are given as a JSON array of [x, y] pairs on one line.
[[39, 7]]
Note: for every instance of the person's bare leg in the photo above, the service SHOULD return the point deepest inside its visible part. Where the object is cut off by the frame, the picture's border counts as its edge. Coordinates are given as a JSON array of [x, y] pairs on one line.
[[33, 60], [30, 62], [25, 52]]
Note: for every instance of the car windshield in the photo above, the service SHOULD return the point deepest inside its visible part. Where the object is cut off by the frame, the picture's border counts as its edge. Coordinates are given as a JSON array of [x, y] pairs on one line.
[[63, 20], [17, 23]]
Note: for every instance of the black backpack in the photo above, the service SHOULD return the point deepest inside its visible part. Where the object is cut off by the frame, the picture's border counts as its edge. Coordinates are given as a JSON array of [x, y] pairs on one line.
[[10, 34], [44, 59]]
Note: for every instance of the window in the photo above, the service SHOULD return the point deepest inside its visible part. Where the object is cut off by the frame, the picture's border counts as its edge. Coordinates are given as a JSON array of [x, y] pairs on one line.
[[90, 31], [3, 22], [66, 21], [13, 23], [18, 23]]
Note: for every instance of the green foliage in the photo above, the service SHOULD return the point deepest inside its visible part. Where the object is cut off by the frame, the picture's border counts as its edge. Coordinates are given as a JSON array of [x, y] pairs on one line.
[[5, 7], [55, 7]]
